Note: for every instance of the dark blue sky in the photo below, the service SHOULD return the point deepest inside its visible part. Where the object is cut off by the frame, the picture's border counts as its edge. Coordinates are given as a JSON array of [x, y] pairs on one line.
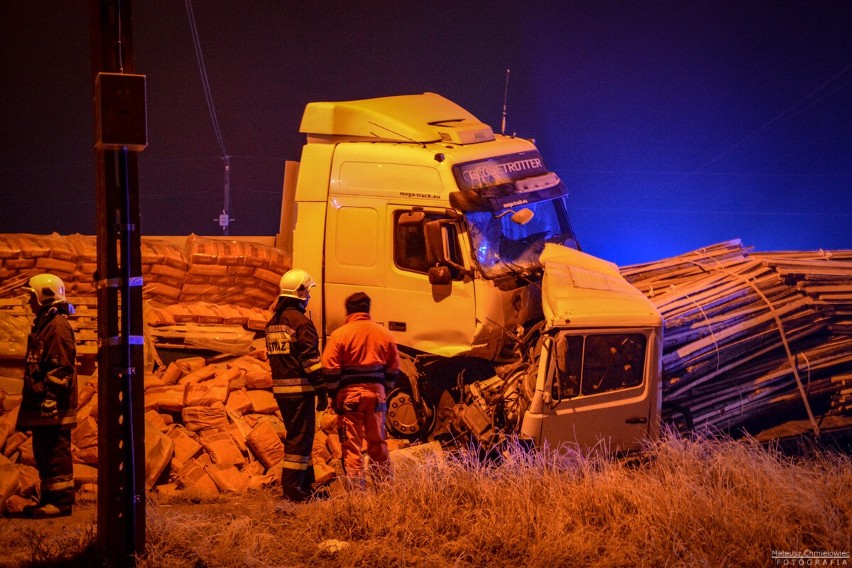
[[674, 124]]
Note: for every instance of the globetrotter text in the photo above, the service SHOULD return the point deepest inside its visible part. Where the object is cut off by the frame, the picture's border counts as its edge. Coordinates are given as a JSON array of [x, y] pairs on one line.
[[500, 170]]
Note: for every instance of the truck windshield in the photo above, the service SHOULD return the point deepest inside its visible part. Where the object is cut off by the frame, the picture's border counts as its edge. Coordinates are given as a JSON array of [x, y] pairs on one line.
[[502, 246]]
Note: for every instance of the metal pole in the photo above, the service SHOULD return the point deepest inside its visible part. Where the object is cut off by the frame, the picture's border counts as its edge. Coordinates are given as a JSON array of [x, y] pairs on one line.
[[121, 426], [227, 197]]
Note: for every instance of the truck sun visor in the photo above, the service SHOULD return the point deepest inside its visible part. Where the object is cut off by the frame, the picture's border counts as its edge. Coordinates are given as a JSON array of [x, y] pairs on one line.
[[504, 181], [506, 195], [499, 170]]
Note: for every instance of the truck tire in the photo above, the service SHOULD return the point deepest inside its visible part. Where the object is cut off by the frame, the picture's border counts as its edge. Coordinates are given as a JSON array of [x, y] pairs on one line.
[[406, 419]]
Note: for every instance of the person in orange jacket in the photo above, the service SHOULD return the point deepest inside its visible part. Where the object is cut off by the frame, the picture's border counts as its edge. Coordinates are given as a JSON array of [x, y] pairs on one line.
[[359, 362]]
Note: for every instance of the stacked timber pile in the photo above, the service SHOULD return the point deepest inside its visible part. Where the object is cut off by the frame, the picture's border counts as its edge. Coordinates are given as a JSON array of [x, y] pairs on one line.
[[752, 340]]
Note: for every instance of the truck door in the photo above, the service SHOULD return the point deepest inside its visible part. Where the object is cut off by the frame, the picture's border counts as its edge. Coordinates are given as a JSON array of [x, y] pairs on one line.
[[354, 258], [438, 319], [600, 390]]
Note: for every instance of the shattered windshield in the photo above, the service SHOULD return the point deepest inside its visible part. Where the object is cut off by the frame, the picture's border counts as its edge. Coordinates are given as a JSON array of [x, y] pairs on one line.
[[503, 246]]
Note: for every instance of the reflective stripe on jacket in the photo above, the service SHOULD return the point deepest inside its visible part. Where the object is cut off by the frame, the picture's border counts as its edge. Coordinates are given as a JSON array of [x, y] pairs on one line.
[[293, 348], [360, 351]]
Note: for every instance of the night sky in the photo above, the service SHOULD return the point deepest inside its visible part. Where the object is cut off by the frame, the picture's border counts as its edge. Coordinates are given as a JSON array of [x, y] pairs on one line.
[[674, 124]]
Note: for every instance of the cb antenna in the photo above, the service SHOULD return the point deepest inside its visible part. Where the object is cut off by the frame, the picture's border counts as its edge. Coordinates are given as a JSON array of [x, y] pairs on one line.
[[505, 96]]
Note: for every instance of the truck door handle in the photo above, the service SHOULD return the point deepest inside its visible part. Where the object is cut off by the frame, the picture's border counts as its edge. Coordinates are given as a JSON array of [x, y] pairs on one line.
[[396, 325], [637, 420]]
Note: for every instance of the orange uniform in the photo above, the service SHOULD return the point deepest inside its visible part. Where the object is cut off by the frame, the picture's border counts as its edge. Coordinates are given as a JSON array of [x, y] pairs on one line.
[[359, 362]]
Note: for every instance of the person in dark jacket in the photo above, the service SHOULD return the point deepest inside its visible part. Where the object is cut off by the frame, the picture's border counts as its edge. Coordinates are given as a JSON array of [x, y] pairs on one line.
[[49, 405], [297, 383]]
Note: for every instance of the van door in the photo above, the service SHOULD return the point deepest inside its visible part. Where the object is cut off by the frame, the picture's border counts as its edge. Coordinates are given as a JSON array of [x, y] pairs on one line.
[[601, 392], [438, 319]]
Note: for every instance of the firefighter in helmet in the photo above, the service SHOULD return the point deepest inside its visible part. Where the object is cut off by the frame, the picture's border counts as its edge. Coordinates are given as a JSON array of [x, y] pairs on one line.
[[293, 347], [49, 405]]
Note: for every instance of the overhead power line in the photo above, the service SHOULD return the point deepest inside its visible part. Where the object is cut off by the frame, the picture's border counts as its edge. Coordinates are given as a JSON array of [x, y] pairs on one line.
[[224, 218], [205, 83], [797, 107]]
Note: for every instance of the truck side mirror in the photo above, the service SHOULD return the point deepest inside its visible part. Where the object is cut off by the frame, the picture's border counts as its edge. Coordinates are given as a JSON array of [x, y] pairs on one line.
[[440, 275], [437, 245], [435, 240]]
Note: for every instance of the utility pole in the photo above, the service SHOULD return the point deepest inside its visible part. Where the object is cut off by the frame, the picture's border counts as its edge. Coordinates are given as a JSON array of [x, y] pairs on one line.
[[120, 132], [225, 216]]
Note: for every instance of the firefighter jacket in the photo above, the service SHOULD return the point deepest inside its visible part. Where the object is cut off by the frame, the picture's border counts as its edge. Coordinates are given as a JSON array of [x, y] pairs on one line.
[[50, 375], [293, 347], [360, 351]]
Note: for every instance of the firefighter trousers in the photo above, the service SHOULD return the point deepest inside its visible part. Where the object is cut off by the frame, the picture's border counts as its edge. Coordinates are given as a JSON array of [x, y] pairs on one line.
[[299, 413], [52, 452]]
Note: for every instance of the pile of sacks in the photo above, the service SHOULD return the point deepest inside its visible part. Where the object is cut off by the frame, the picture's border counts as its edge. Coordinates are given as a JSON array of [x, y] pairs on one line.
[[22, 255], [174, 270], [217, 428], [209, 428]]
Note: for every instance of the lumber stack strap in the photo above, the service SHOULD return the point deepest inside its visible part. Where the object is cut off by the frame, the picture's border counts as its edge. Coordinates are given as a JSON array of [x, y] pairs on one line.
[[752, 339]]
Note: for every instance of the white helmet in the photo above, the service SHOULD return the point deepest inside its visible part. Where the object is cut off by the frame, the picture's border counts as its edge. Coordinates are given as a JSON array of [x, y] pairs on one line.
[[46, 288], [296, 284]]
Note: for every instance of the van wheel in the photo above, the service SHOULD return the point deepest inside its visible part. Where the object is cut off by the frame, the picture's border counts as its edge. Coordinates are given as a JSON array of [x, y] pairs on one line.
[[406, 419]]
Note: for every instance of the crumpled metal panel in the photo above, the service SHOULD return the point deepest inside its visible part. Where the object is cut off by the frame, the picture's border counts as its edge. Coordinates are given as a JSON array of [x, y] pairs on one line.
[[580, 290]]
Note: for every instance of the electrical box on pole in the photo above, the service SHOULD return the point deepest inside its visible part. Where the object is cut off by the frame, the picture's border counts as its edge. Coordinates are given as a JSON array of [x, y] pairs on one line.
[[120, 112]]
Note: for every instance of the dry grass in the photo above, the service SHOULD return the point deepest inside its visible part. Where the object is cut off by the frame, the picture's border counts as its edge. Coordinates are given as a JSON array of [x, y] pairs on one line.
[[687, 503], [684, 503], [66, 541]]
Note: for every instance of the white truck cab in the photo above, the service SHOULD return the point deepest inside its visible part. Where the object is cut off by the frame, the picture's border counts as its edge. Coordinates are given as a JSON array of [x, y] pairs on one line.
[[597, 382], [414, 201]]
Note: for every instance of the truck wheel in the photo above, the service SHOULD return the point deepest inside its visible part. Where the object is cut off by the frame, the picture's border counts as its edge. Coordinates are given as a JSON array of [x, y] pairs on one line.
[[406, 419]]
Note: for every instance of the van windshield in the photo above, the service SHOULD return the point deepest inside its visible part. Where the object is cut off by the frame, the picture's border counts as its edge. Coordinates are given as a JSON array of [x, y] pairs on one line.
[[502, 246], [598, 363]]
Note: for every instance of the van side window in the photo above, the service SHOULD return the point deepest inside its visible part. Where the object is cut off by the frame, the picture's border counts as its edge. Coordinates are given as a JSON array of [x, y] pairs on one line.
[[594, 364], [409, 244]]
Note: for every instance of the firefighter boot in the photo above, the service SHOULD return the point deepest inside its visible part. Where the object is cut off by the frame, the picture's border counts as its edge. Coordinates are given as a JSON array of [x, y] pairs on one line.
[[50, 511], [291, 483], [57, 500], [308, 480]]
